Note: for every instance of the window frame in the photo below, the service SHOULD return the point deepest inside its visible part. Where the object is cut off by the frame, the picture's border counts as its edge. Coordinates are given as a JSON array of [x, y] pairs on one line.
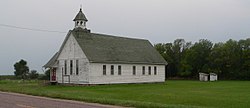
[[112, 70], [143, 70], [134, 70], [65, 67], [77, 67], [71, 67], [119, 69], [104, 70], [149, 70], [155, 70]]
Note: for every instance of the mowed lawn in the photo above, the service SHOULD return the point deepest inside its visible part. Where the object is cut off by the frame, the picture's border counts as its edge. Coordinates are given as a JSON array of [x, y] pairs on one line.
[[172, 94]]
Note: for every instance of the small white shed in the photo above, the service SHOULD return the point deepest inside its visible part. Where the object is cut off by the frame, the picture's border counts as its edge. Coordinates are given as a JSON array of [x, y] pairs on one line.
[[213, 77], [203, 76]]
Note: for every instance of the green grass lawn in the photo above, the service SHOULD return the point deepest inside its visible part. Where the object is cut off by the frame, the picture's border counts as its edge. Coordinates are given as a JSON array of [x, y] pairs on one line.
[[172, 94]]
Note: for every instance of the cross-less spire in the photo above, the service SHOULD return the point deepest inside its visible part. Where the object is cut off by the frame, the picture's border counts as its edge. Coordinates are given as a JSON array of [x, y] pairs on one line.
[[80, 20]]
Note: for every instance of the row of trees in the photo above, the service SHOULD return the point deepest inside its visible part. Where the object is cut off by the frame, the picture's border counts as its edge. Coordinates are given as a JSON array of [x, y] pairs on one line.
[[230, 60], [22, 71]]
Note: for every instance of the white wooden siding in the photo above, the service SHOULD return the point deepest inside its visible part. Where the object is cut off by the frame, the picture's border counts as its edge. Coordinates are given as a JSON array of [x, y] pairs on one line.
[[72, 51], [92, 73], [96, 74]]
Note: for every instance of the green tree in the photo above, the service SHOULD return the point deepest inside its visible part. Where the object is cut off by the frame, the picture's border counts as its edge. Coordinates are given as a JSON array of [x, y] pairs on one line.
[[226, 59], [167, 53], [230, 60], [178, 48], [47, 74], [163, 49], [216, 58], [33, 74], [21, 69], [197, 56], [231, 56], [173, 54], [245, 60]]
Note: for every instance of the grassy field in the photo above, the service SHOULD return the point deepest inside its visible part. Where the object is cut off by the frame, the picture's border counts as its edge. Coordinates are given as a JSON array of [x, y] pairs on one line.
[[172, 94], [3, 77]]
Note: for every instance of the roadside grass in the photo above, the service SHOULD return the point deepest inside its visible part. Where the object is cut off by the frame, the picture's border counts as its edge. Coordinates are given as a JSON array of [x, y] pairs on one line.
[[172, 94]]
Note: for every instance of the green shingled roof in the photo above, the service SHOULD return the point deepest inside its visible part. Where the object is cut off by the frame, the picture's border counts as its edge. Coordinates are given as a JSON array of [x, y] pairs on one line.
[[101, 48], [80, 16]]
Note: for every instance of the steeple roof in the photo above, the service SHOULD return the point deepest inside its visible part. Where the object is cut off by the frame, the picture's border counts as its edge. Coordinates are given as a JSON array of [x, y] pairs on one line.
[[80, 16]]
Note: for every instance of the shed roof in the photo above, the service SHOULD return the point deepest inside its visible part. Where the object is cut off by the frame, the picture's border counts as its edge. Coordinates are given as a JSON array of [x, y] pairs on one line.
[[213, 74]]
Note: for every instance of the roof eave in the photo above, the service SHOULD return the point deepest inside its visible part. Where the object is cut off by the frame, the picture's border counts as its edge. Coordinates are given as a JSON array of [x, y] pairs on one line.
[[124, 62], [52, 61]]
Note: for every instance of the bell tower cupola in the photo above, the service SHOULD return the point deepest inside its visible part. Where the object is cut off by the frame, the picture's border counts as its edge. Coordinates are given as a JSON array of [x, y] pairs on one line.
[[80, 20]]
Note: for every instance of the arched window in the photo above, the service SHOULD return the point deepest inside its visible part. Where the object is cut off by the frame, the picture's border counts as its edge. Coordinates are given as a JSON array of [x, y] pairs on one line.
[[77, 23], [81, 22]]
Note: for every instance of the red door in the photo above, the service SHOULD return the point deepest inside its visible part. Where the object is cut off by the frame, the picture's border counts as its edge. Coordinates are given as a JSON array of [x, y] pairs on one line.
[[53, 77]]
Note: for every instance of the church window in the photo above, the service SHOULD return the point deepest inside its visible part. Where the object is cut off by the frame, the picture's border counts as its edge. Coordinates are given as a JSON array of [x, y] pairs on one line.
[[119, 70], [81, 22], [104, 69], [143, 70], [155, 70], [112, 70], [149, 70], [134, 70], [65, 67], [77, 67], [71, 67]]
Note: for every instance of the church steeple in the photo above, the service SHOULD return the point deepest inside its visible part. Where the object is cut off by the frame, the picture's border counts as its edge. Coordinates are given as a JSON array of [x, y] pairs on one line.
[[80, 20]]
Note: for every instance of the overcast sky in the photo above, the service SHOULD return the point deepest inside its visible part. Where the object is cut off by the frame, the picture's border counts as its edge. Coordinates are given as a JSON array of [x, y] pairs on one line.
[[159, 21]]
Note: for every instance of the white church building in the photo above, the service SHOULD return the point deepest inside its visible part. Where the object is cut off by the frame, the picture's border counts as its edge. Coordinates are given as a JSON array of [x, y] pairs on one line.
[[91, 58]]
